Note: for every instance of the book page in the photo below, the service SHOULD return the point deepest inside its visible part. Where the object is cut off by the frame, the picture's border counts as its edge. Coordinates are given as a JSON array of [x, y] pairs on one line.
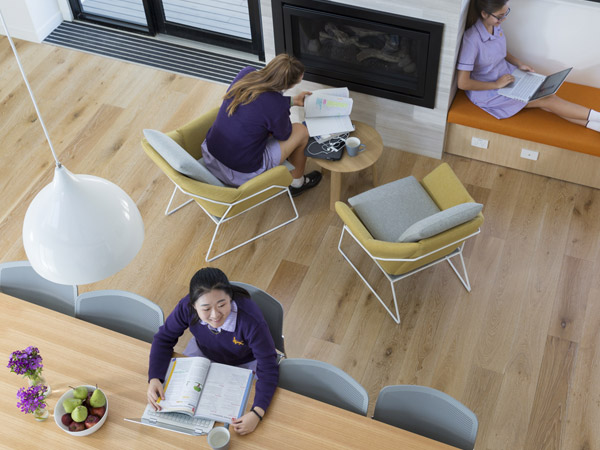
[[323, 105], [336, 92], [328, 125], [184, 383], [225, 392]]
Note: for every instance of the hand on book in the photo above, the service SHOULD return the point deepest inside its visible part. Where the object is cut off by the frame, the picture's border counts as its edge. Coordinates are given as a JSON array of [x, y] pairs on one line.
[[155, 391], [299, 99], [248, 422]]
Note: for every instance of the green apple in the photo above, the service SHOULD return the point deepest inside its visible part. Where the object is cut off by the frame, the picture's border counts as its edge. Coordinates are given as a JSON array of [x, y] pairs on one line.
[[71, 403], [97, 399], [80, 392], [79, 414]]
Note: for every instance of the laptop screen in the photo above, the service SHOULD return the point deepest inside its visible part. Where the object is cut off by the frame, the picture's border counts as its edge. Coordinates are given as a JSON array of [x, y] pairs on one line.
[[551, 84]]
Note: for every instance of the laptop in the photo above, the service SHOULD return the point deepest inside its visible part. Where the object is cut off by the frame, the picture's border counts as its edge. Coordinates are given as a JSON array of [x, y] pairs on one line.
[[332, 149], [172, 421], [530, 86]]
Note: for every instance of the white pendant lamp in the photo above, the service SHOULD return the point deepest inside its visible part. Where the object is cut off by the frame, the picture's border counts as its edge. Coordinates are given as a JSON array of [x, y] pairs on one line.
[[80, 228]]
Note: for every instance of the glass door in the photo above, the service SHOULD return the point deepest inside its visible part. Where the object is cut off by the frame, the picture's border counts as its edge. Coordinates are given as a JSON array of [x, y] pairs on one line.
[[234, 24], [230, 23], [125, 14]]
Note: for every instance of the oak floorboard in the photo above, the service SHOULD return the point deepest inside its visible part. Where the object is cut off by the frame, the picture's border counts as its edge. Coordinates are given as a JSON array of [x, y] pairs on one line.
[[482, 390], [460, 344], [536, 261], [548, 413], [497, 335], [584, 230], [583, 412], [568, 313]]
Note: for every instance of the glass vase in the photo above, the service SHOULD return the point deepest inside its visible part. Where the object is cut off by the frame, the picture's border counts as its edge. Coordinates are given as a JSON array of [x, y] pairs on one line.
[[39, 380], [41, 414]]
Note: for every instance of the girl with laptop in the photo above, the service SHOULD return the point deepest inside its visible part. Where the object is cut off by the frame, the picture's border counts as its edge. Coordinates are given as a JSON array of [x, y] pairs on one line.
[[484, 66], [227, 327]]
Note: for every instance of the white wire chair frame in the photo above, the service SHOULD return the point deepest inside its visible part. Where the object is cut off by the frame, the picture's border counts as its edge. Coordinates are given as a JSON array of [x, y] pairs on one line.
[[221, 220], [395, 278]]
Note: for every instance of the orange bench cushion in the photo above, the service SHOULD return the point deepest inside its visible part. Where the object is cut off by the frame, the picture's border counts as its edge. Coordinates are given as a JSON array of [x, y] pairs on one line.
[[535, 124]]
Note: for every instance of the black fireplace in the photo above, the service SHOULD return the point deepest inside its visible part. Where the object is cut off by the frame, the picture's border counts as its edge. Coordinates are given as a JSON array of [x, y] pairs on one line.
[[377, 53]]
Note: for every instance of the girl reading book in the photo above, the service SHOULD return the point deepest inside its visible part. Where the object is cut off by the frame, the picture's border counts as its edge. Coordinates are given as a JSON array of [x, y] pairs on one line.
[[227, 327], [484, 66], [253, 132]]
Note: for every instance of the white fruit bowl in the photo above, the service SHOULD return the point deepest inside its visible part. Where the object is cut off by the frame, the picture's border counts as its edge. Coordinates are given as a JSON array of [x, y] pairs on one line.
[[59, 411]]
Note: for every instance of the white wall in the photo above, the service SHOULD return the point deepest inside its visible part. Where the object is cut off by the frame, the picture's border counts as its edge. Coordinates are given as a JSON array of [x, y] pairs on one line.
[[31, 20], [550, 35]]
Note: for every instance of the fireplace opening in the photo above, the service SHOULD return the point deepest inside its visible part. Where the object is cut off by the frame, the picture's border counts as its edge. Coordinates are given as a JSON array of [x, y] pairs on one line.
[[380, 54]]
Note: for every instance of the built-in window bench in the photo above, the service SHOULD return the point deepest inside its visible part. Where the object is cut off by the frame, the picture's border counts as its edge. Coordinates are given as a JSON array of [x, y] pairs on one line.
[[563, 150]]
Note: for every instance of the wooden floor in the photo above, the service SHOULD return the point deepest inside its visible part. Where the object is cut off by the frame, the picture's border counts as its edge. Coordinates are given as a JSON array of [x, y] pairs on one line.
[[522, 349]]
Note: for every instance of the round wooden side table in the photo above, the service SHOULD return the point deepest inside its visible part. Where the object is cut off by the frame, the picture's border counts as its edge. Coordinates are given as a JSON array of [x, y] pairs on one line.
[[348, 164]]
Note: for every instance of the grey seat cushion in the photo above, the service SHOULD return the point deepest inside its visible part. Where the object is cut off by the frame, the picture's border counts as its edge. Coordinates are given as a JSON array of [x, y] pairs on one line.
[[179, 159], [440, 222], [388, 210]]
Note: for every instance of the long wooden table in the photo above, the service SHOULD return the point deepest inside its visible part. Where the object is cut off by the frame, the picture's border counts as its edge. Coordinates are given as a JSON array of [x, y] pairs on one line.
[[76, 352]]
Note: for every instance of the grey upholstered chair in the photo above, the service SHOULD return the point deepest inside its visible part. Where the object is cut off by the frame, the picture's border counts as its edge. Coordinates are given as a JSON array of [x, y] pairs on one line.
[[323, 382], [272, 312], [18, 279], [428, 412], [121, 311]]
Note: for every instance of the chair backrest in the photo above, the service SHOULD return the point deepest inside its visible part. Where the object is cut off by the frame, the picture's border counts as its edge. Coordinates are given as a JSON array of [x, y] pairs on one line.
[[272, 311], [428, 412], [18, 279], [121, 311], [323, 382]]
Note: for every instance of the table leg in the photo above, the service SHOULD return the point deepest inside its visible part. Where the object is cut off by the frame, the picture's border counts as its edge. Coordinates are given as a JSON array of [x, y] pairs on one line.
[[375, 181], [336, 189]]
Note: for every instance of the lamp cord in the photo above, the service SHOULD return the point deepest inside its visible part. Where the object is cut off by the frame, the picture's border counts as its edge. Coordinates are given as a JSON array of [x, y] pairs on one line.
[[58, 164]]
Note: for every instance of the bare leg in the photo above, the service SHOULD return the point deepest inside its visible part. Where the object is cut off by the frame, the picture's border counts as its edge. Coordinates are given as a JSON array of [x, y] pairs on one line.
[[293, 149], [569, 111]]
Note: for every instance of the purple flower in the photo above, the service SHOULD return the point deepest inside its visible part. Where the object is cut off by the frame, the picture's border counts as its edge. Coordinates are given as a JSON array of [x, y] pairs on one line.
[[26, 362], [31, 398]]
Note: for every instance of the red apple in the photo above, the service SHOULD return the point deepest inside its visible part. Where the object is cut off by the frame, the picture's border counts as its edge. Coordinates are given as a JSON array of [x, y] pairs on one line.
[[99, 411], [76, 426], [91, 420], [66, 419]]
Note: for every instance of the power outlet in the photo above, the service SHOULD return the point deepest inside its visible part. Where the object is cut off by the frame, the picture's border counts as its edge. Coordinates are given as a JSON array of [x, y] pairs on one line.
[[529, 154], [478, 142]]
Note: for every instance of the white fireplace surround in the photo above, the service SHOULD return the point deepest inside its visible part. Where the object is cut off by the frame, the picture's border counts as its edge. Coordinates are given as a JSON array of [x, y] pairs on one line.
[[406, 127]]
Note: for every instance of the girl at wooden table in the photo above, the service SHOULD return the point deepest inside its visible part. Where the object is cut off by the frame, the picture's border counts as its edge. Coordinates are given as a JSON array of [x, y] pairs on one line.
[[228, 328], [253, 132], [484, 66]]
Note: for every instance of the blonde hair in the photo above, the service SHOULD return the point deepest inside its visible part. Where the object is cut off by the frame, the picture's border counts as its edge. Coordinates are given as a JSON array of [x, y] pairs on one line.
[[282, 72]]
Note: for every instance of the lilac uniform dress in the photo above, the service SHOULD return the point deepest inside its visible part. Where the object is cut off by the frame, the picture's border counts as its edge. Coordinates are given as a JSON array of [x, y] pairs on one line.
[[484, 55]]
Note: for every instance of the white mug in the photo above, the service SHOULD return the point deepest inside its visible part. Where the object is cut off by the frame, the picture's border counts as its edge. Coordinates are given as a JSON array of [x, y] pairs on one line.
[[218, 438], [353, 146]]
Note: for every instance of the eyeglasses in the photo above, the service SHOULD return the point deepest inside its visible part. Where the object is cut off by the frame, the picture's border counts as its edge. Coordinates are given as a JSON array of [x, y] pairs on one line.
[[502, 17]]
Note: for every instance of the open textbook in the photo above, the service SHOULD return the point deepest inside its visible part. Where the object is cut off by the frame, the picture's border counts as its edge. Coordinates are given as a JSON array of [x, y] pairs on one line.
[[327, 111], [198, 387]]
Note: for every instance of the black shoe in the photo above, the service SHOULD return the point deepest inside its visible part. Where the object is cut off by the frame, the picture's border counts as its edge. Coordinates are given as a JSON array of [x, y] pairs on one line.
[[310, 181]]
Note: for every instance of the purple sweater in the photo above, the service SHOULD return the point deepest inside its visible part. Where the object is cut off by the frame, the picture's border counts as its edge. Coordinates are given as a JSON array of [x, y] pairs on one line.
[[239, 141], [251, 329]]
